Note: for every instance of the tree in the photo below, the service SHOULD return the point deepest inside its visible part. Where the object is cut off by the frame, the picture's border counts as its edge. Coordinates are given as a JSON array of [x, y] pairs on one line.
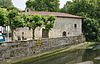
[[6, 3], [15, 21], [78, 6], [48, 22], [43, 5], [89, 9], [34, 21], [26, 18], [3, 17], [91, 29]]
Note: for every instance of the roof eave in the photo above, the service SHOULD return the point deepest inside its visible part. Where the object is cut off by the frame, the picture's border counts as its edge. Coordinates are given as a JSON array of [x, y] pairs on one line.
[[71, 17]]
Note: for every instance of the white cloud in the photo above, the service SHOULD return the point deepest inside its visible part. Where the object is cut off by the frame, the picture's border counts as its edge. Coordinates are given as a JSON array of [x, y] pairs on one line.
[[62, 2], [20, 4]]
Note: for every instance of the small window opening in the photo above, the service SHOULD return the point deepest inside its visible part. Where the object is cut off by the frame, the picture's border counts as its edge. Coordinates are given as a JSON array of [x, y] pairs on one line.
[[68, 32], [64, 33], [75, 25]]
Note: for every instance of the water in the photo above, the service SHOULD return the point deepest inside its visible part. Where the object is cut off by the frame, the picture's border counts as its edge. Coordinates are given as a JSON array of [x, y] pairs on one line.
[[69, 57]]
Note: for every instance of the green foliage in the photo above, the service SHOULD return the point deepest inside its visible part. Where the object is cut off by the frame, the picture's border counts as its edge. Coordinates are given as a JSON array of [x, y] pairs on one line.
[[17, 22], [78, 6], [90, 9], [26, 18], [50, 22], [43, 5], [3, 17], [6, 3], [91, 29], [14, 21], [12, 14], [34, 21]]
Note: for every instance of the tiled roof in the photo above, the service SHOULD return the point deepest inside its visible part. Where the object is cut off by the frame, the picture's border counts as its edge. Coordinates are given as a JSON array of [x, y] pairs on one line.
[[57, 14]]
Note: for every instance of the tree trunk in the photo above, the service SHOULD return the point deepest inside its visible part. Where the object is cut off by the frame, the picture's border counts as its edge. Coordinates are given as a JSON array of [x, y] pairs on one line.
[[12, 34], [33, 32], [11, 30]]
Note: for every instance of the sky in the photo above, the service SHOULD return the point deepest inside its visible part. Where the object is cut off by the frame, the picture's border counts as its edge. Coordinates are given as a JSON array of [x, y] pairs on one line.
[[20, 4]]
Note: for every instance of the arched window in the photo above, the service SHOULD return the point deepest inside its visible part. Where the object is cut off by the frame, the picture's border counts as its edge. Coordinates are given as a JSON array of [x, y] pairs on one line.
[[64, 34], [27, 10]]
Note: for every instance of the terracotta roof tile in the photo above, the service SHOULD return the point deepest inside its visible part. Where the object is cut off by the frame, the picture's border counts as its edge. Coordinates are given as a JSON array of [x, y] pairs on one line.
[[57, 14]]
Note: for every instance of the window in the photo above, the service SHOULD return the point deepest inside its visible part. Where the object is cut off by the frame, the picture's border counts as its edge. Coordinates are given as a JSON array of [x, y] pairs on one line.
[[68, 33], [75, 25], [27, 10], [64, 34]]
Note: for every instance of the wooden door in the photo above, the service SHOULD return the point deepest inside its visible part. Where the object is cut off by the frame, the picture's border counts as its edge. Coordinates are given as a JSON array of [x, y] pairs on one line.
[[45, 33]]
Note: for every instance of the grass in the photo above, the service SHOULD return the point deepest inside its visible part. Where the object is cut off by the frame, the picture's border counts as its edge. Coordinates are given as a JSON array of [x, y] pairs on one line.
[[51, 53]]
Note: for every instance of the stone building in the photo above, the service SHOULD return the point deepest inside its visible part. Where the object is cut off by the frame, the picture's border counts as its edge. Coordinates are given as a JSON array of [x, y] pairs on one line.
[[65, 25]]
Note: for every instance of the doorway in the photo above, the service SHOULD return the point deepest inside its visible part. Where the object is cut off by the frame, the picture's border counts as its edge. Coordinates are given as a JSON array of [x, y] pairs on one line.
[[45, 33]]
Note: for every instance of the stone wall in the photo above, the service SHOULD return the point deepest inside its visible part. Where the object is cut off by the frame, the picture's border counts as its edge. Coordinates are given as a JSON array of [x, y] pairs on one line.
[[18, 49], [25, 32], [66, 25]]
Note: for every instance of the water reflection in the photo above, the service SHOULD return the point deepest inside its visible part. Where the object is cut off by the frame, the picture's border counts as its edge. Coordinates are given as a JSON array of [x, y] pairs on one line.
[[91, 54]]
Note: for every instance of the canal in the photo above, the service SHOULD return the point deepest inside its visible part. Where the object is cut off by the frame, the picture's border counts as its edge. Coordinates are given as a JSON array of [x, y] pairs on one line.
[[72, 55]]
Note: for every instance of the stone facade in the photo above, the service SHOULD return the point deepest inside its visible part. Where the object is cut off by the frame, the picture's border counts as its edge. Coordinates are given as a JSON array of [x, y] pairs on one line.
[[72, 27], [23, 33], [69, 26], [18, 49]]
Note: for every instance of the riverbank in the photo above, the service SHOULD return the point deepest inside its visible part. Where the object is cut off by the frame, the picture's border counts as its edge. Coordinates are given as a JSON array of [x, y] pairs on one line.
[[67, 50], [21, 49]]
